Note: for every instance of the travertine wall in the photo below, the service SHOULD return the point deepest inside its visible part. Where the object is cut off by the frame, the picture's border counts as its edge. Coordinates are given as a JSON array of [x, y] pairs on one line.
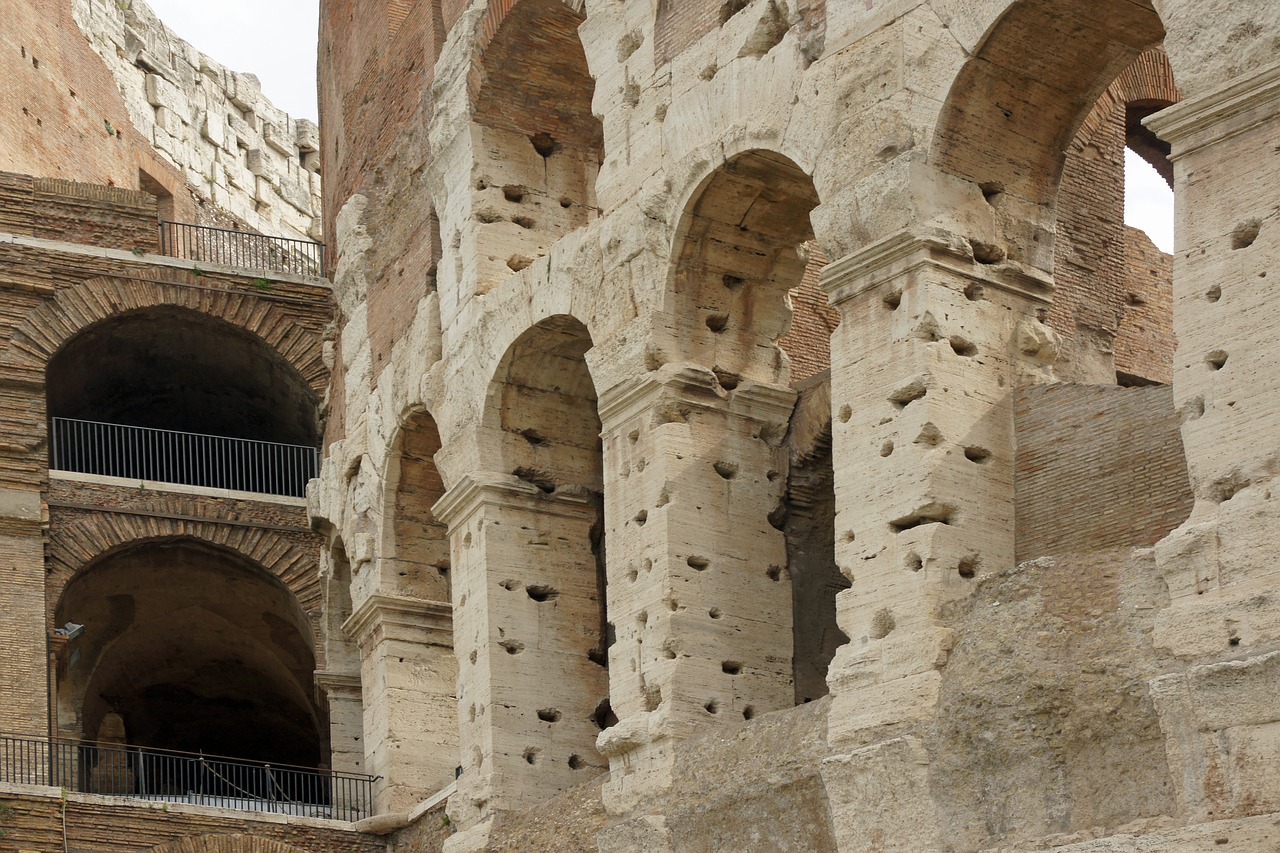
[[973, 250]]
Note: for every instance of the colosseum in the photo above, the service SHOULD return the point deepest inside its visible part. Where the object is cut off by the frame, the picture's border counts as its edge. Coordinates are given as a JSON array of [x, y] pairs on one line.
[[671, 425]]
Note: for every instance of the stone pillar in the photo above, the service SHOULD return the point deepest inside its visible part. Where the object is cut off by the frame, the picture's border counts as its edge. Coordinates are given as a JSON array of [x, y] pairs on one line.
[[408, 676], [695, 477], [24, 666], [346, 720], [924, 362], [1218, 565], [533, 689]]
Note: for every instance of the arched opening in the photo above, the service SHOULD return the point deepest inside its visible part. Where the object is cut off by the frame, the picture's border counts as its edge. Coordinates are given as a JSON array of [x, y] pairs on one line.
[[173, 395], [539, 147], [420, 542], [547, 593], [192, 648], [744, 246]]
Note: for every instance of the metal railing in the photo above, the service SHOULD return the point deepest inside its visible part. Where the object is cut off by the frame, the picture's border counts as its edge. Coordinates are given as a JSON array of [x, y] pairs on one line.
[[185, 458], [180, 777], [242, 249]]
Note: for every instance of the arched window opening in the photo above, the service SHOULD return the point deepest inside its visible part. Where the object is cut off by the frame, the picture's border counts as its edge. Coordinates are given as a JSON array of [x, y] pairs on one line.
[[420, 541], [168, 394], [548, 595], [540, 147], [745, 245], [189, 648]]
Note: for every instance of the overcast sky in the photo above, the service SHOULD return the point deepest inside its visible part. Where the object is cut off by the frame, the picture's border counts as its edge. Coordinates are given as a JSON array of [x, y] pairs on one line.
[[276, 39]]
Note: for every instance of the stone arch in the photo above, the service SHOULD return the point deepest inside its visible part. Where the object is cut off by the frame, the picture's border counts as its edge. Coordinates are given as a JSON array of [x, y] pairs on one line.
[[49, 327], [225, 844], [74, 545], [540, 146], [744, 242], [192, 647], [412, 537]]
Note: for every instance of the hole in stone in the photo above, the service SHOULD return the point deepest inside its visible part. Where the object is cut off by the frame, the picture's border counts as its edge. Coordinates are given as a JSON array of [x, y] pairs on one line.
[[987, 253], [575, 762], [849, 536], [535, 438], [509, 584], [652, 696], [534, 477], [774, 573], [886, 449], [669, 654], [748, 712], [516, 263], [542, 593], [934, 513], [963, 348], [728, 381], [526, 222], [991, 190], [979, 455], [882, 624], [731, 667], [1214, 294], [712, 706], [633, 436], [968, 567], [472, 657], [513, 193], [698, 563], [778, 517], [599, 657], [1216, 360], [633, 575], [531, 755], [1245, 233], [714, 613], [733, 282], [974, 292], [549, 715], [642, 516], [717, 322], [513, 647], [727, 470], [603, 715], [914, 562], [544, 143], [892, 299], [909, 393], [566, 202], [673, 605]]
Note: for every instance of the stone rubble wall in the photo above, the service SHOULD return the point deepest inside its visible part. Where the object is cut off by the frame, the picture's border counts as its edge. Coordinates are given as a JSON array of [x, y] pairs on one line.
[[234, 146]]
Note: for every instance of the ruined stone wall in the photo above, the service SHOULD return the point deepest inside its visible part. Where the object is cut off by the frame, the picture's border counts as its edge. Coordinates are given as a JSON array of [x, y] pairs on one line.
[[1098, 468], [230, 143]]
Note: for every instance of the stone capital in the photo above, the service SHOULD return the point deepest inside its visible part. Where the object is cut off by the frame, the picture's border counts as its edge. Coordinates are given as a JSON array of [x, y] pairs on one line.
[[477, 491], [1234, 108], [339, 684], [908, 253], [681, 386], [391, 617]]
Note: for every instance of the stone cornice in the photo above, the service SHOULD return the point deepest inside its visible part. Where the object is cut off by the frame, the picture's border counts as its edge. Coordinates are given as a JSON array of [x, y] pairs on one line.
[[1236, 107], [337, 682], [906, 252], [482, 489], [404, 618], [698, 388]]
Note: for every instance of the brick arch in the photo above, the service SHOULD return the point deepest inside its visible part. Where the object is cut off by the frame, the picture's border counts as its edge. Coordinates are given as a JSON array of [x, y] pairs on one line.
[[225, 844], [76, 545], [47, 328], [1147, 85]]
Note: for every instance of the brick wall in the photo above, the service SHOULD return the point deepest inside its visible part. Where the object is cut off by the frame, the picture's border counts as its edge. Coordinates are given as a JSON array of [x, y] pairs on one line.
[[103, 825], [1145, 342], [58, 209], [1097, 467], [808, 343]]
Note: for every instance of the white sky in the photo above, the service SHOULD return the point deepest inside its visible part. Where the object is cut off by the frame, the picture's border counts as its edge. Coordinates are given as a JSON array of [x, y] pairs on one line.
[[276, 39]]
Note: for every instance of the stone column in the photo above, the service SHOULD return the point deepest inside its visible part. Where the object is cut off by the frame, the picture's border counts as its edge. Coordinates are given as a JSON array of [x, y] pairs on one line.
[[408, 676], [533, 689], [929, 348], [695, 477], [346, 720], [1218, 564]]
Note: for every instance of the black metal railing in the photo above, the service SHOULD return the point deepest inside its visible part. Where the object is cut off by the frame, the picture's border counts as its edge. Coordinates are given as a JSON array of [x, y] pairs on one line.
[[241, 249], [180, 777], [185, 458]]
